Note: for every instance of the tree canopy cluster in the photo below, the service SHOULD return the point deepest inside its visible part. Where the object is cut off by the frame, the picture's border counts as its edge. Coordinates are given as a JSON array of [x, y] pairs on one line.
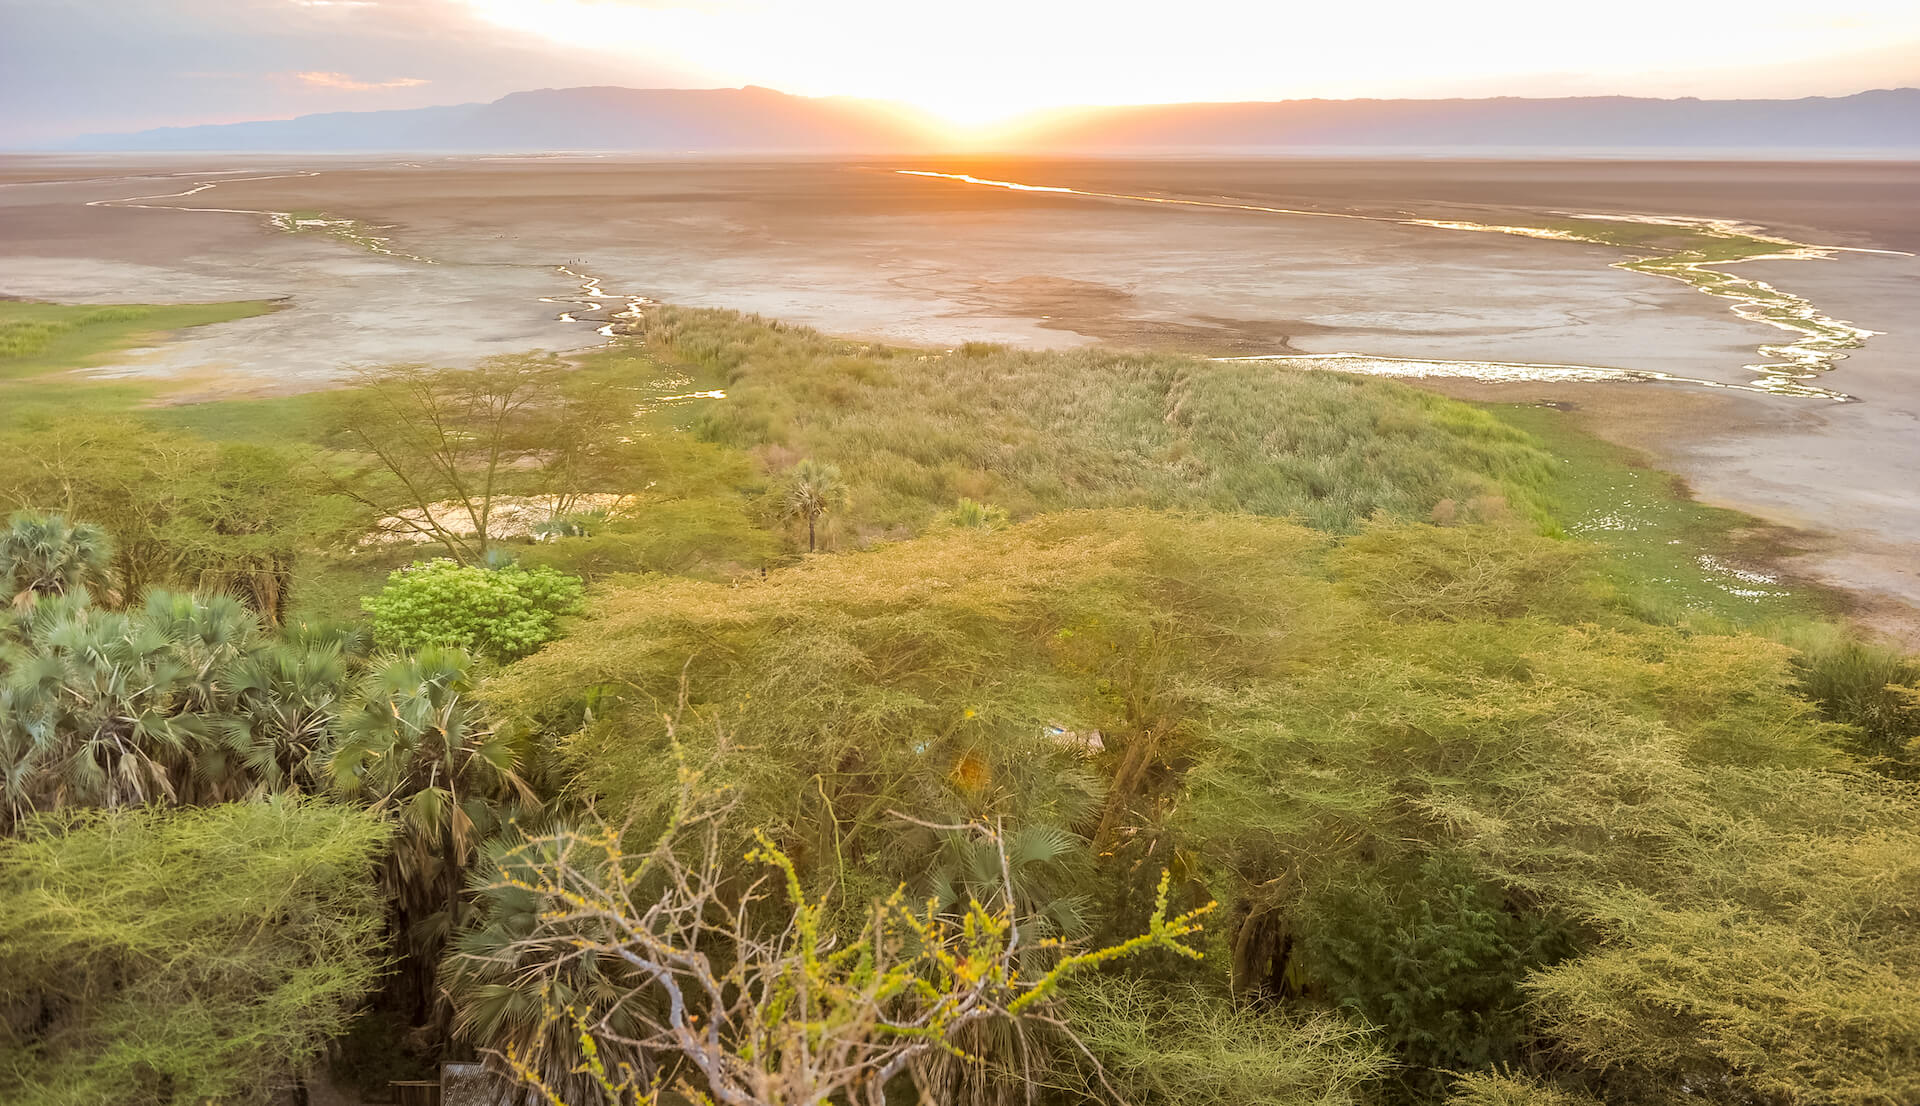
[[970, 727]]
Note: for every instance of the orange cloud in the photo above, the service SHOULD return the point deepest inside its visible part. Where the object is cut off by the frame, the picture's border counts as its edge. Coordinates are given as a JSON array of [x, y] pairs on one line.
[[342, 81]]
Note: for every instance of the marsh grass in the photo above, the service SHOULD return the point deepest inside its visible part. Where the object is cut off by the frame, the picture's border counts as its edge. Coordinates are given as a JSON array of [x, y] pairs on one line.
[[1870, 687], [915, 430]]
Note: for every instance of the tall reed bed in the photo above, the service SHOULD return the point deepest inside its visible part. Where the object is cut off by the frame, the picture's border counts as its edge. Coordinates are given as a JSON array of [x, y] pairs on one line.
[[913, 430]]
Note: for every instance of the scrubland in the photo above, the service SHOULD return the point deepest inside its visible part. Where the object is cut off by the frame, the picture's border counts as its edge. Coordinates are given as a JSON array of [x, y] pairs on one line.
[[1141, 728]]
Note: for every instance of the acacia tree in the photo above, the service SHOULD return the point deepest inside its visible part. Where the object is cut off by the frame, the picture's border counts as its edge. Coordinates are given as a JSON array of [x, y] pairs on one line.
[[433, 450], [183, 956], [116, 472], [814, 489], [238, 525], [181, 512]]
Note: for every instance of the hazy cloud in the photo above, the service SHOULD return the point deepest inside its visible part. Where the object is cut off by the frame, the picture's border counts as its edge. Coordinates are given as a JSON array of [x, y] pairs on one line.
[[71, 68], [342, 81]]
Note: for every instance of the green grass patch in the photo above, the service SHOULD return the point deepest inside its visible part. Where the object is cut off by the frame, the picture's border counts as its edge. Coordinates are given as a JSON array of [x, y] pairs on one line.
[[270, 420], [40, 343], [1671, 557], [49, 337]]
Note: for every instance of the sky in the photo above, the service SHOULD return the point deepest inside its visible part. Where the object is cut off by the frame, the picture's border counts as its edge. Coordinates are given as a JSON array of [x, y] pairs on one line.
[[122, 65]]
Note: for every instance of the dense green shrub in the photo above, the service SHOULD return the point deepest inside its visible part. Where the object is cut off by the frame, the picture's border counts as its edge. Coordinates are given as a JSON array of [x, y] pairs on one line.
[[502, 614], [1434, 957], [1872, 688], [153, 958]]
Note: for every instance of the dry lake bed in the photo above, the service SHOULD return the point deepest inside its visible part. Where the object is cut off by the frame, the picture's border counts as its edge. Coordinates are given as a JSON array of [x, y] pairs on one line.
[[1441, 262]]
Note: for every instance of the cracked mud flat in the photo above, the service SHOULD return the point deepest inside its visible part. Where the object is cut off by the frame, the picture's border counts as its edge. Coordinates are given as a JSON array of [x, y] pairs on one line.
[[519, 248]]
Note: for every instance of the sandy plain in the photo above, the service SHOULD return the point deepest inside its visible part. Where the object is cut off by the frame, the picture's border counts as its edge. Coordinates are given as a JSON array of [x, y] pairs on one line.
[[498, 255]]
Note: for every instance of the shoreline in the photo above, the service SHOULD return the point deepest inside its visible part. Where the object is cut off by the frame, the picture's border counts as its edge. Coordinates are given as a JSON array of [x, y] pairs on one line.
[[1875, 580]]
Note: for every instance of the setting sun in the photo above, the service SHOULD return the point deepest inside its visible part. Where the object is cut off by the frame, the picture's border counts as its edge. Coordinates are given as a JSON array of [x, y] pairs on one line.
[[991, 60]]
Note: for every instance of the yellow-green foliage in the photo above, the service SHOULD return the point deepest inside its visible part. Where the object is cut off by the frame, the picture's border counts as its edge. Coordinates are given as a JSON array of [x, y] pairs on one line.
[[1591, 794], [1183, 1045], [1766, 938], [1457, 574], [1748, 902], [689, 509], [913, 430], [151, 957], [1490, 1089], [923, 676]]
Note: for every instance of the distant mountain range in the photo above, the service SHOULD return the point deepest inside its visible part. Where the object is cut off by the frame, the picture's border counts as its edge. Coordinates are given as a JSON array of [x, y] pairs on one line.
[[760, 120]]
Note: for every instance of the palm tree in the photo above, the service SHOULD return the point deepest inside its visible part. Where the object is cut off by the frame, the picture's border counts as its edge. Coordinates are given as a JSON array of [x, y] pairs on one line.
[[209, 636], [1044, 864], [285, 706], [416, 743], [184, 700], [503, 1002], [813, 490], [969, 514], [88, 712], [44, 555]]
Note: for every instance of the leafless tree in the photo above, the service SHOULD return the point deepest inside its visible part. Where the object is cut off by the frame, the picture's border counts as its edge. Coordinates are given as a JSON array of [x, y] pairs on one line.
[[734, 988]]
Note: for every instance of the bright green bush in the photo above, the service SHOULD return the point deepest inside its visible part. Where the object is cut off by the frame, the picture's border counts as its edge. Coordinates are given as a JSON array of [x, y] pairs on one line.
[[153, 958], [502, 614]]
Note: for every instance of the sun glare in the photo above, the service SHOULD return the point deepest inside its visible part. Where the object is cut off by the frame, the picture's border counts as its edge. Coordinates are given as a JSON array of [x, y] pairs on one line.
[[978, 65]]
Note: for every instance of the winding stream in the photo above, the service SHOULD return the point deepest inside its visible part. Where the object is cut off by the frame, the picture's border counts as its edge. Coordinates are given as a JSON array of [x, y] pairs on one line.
[[1820, 344], [590, 301]]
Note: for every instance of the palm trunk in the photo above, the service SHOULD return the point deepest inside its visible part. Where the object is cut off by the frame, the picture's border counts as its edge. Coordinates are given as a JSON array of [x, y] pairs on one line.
[[810, 520]]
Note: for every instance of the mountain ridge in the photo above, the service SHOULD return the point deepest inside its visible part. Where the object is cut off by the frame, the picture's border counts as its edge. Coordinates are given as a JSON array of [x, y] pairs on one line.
[[763, 120]]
